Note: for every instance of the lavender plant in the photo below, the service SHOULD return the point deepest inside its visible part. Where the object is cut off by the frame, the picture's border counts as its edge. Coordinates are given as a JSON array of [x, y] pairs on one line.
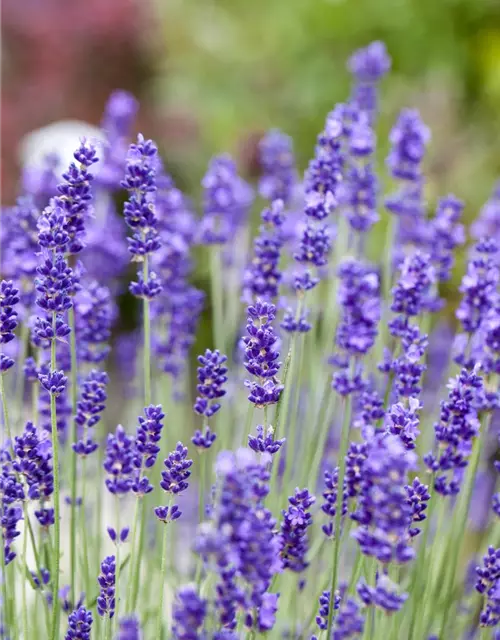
[[323, 495]]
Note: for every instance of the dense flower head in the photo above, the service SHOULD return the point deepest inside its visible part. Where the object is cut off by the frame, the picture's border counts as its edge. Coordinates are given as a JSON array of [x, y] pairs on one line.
[[11, 495], [403, 421], [53, 381], [359, 298], [55, 285], [9, 517], [226, 200], [167, 514], [385, 594], [149, 288], [261, 359], [189, 611], [148, 436], [264, 441], [9, 297], [293, 532], [79, 625], [33, 462], [63, 407], [212, 375], [95, 312], [315, 245], [455, 432], [349, 622], [75, 195], [418, 497], [479, 286], [488, 585], [383, 512], [89, 409], [279, 174], [487, 223], [447, 234], [409, 139], [324, 608], [368, 66], [411, 290], [119, 461], [177, 470], [51, 225], [240, 539], [129, 628], [106, 580], [330, 493], [361, 197], [203, 440]]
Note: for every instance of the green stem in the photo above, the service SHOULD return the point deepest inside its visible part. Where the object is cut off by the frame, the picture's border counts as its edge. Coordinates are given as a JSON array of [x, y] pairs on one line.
[[25, 604], [159, 623], [117, 575], [344, 443], [130, 593], [147, 341], [218, 303], [321, 430], [5, 609], [83, 524], [137, 570], [73, 481], [57, 523], [23, 340], [6, 420]]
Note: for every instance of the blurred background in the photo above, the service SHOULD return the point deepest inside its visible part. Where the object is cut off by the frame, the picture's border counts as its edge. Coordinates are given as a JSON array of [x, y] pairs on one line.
[[211, 76]]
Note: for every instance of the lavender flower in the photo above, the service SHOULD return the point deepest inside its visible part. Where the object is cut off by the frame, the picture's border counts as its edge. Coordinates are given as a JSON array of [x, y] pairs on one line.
[[348, 623], [418, 496], [324, 609], [148, 436], [129, 629], [385, 594], [293, 533], [404, 422], [488, 585], [189, 613], [11, 493], [33, 461], [447, 234], [368, 66], [279, 174], [176, 474], [203, 440], [383, 513], [119, 462], [95, 313], [260, 356], [265, 443], [167, 514], [9, 297], [89, 408], [106, 599], [79, 625], [211, 378]]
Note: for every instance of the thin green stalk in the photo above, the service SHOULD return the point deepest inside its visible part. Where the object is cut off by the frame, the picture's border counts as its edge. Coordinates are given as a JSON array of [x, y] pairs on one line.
[[159, 623], [83, 525], [320, 434], [6, 420], [344, 443], [25, 546], [73, 478], [117, 574], [130, 593], [57, 516], [5, 609], [248, 423], [137, 570], [23, 340], [147, 341], [217, 300]]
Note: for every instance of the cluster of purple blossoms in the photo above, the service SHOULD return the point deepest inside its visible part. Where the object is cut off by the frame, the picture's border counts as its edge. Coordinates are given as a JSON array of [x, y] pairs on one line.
[[9, 297], [146, 447], [89, 409], [403, 421], [203, 440], [455, 432], [383, 512], [262, 277], [95, 312], [189, 612], [129, 628], [63, 407], [177, 470], [264, 442], [11, 495], [293, 531], [418, 497], [212, 375], [119, 114], [330, 492], [140, 215], [368, 66], [487, 223], [226, 201], [240, 539], [75, 195], [279, 174], [261, 359], [488, 585], [384, 595], [409, 139], [79, 625], [107, 578], [324, 609], [119, 462], [447, 234], [33, 462]]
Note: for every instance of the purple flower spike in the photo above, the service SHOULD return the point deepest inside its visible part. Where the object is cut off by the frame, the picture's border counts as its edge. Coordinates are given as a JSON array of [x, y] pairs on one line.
[[418, 497], [293, 535], [148, 436], [9, 297], [265, 443], [106, 580], [211, 378], [368, 66], [79, 625], [279, 174], [384, 594], [53, 381], [174, 478], [189, 612], [119, 462], [129, 628], [488, 585], [203, 440], [33, 461]]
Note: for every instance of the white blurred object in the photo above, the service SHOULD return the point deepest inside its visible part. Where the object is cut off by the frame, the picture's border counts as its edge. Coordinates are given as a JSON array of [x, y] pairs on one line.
[[62, 139]]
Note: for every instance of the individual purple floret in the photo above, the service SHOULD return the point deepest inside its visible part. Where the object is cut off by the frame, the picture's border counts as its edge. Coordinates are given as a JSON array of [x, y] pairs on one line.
[[279, 174], [79, 625], [118, 536], [189, 612], [106, 580], [119, 462], [54, 382], [167, 514], [293, 531], [383, 512], [148, 436], [368, 66], [261, 359], [203, 440], [418, 497], [129, 628], [455, 432], [89, 409], [211, 378], [75, 195], [177, 470], [488, 585], [265, 442], [9, 297], [42, 580], [385, 594]]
